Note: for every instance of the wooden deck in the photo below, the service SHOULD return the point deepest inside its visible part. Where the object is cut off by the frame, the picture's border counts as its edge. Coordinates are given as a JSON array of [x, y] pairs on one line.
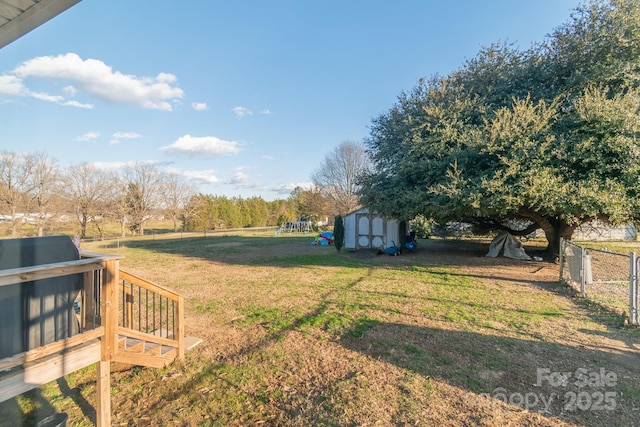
[[108, 333]]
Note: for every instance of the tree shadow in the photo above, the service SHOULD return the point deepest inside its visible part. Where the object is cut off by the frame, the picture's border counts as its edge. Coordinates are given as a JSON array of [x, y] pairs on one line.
[[32, 406], [35, 407], [481, 363], [477, 362], [548, 374], [88, 410], [299, 251], [527, 374]]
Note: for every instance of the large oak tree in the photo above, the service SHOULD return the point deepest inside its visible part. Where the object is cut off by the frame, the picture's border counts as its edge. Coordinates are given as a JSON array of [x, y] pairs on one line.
[[550, 134]]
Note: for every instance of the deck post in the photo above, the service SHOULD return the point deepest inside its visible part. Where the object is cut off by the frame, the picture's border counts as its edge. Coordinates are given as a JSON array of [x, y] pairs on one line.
[[180, 328], [108, 346], [88, 307], [103, 394]]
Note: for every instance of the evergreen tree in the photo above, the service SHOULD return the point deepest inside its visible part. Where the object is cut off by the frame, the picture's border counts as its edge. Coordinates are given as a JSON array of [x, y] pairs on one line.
[[548, 135], [338, 232]]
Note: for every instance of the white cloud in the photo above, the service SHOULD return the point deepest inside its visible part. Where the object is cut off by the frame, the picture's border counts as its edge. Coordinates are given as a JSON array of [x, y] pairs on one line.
[[89, 136], [240, 111], [77, 105], [126, 135], [12, 85], [201, 177], [167, 78], [204, 145], [240, 179], [70, 90], [288, 188], [199, 106], [197, 177], [265, 112], [46, 97], [119, 136], [110, 165], [120, 165], [267, 157], [96, 78]]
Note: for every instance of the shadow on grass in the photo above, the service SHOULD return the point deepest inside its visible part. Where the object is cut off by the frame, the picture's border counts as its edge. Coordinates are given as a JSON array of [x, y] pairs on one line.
[[498, 366], [528, 373], [33, 407], [474, 362], [297, 251], [538, 376]]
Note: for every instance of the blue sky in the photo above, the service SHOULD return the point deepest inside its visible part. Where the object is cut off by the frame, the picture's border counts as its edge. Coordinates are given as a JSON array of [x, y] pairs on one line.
[[243, 98]]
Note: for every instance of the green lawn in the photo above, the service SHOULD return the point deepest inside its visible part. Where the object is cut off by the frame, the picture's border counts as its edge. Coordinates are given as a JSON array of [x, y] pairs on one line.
[[296, 334]]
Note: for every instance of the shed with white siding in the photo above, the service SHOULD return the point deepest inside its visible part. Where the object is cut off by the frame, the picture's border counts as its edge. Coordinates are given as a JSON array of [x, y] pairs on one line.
[[366, 230]]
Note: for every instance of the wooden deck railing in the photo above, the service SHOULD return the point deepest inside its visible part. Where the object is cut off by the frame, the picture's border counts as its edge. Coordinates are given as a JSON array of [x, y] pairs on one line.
[[121, 317], [151, 326]]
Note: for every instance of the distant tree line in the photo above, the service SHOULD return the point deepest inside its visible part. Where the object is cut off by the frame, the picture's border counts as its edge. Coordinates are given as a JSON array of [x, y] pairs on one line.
[[207, 212], [35, 190]]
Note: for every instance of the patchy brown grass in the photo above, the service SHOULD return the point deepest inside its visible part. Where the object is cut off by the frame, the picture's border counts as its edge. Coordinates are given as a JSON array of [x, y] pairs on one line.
[[301, 335]]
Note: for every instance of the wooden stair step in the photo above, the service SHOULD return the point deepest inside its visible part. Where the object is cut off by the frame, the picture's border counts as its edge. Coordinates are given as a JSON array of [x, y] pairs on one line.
[[136, 345], [191, 342]]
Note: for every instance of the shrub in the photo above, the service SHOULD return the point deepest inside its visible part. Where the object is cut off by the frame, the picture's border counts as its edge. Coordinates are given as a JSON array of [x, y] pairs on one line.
[[338, 232]]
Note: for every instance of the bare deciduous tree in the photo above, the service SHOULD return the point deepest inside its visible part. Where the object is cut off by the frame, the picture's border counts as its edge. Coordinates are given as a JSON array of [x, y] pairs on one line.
[[143, 193], [176, 193], [85, 186], [118, 198], [44, 180], [338, 175], [14, 185]]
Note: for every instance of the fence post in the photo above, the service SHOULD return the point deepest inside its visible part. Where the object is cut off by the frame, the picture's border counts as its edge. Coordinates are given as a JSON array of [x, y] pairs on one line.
[[633, 290], [583, 262], [561, 258]]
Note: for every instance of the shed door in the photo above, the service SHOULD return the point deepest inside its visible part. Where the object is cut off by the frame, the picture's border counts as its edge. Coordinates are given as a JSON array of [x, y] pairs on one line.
[[362, 230], [370, 231]]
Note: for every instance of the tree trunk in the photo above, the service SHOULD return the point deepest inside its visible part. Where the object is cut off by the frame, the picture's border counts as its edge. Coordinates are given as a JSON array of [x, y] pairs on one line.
[[554, 230], [14, 222], [402, 235], [83, 227]]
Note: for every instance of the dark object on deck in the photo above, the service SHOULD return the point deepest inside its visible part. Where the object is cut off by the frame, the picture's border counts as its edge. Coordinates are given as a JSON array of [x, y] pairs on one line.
[[39, 312]]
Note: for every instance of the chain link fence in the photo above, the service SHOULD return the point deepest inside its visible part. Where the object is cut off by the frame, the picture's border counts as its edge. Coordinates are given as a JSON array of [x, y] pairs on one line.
[[602, 276]]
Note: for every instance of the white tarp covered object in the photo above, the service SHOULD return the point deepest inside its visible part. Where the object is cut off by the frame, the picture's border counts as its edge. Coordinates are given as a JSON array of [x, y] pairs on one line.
[[507, 245]]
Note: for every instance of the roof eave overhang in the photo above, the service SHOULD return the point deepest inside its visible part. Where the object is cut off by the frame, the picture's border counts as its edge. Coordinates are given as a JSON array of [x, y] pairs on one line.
[[31, 18]]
